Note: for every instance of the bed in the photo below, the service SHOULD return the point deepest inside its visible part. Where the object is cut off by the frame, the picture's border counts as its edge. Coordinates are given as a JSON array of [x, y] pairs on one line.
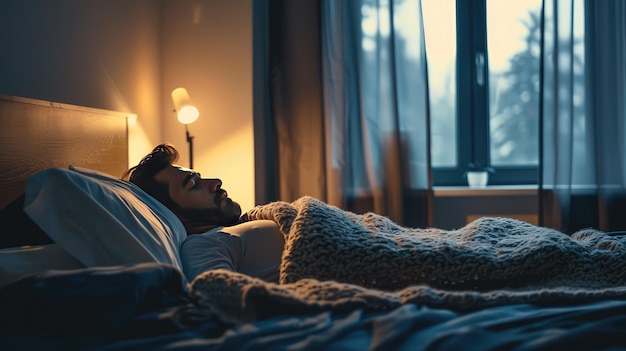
[[110, 278]]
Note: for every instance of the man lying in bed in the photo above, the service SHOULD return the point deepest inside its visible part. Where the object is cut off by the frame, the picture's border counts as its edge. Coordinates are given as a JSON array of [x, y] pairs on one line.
[[216, 238]]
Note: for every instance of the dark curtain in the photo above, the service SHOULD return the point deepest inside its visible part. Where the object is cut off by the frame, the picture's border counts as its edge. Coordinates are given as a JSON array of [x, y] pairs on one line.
[[289, 125]]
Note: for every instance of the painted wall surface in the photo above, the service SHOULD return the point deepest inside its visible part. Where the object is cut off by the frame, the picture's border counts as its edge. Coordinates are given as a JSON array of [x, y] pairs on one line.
[[207, 48], [101, 54], [128, 55], [453, 212]]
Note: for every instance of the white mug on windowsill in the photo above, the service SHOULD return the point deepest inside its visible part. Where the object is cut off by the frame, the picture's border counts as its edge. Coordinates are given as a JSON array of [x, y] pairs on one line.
[[477, 179]]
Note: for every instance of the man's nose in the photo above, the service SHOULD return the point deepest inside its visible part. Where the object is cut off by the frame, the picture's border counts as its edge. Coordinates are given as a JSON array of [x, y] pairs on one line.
[[214, 184]]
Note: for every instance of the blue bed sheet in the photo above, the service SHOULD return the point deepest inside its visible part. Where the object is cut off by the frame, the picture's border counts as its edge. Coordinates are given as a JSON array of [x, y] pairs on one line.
[[145, 307]]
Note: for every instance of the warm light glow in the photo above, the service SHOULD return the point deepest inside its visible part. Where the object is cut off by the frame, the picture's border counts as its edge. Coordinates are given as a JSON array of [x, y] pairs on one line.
[[187, 113]]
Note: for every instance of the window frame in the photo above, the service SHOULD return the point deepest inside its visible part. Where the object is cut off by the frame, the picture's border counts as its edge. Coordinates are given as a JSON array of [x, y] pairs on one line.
[[472, 110]]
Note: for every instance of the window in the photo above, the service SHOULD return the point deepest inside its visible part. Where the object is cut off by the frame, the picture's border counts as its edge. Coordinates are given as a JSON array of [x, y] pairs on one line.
[[483, 61]]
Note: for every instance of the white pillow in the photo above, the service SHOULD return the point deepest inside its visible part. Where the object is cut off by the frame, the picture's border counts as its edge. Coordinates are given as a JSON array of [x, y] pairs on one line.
[[101, 220]]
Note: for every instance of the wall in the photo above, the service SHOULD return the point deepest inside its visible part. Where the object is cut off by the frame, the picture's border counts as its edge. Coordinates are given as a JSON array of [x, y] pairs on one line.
[[128, 55], [101, 54], [455, 207], [207, 48]]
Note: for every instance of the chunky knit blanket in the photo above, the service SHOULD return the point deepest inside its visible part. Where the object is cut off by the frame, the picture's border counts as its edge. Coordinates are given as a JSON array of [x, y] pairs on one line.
[[338, 260]]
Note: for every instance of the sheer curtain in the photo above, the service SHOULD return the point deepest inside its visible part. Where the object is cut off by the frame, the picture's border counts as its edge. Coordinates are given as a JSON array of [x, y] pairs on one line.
[[347, 105], [375, 107], [583, 168]]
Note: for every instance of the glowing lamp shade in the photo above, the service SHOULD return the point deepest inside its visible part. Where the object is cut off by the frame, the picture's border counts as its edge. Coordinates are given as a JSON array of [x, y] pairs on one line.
[[187, 113]]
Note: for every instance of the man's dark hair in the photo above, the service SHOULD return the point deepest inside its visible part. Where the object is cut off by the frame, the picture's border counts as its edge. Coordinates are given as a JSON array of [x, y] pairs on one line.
[[162, 156]]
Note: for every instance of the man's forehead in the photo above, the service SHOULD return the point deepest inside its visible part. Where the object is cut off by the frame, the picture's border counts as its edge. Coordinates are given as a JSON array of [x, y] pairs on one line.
[[171, 172], [182, 169]]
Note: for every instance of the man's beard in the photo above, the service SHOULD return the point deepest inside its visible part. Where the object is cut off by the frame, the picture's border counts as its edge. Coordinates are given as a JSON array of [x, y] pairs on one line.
[[226, 215]]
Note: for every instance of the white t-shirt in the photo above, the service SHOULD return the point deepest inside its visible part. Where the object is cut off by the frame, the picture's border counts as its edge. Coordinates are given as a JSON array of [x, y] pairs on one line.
[[253, 248]]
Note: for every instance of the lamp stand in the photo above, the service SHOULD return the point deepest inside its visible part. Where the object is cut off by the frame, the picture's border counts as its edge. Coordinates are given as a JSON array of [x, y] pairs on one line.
[[190, 141]]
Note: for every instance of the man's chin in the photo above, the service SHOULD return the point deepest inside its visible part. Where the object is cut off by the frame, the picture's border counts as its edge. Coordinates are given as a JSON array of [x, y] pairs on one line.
[[228, 213], [230, 208]]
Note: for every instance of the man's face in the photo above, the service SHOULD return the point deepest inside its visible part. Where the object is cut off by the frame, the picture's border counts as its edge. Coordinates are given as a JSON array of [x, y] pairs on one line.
[[200, 200]]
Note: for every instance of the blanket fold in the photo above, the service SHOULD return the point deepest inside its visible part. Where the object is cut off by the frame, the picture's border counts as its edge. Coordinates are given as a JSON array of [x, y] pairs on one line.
[[336, 259]]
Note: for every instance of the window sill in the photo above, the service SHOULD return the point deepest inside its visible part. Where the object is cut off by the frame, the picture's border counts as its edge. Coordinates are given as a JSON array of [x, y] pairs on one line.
[[489, 190]]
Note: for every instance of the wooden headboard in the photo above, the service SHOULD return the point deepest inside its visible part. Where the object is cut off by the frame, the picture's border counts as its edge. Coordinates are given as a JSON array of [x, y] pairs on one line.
[[36, 134]]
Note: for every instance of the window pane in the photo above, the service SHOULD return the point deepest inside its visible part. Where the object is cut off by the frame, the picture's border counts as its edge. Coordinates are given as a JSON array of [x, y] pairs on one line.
[[440, 35], [513, 45]]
